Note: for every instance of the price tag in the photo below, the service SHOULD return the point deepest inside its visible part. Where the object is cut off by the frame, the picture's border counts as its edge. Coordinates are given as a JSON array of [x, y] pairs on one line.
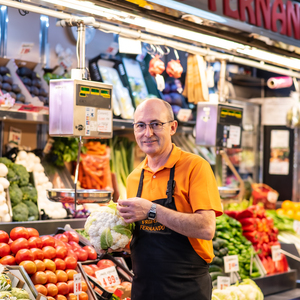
[[223, 282], [77, 284], [26, 48], [184, 114], [231, 263], [129, 46], [296, 226], [160, 81], [15, 135], [272, 197], [2, 268], [108, 277], [276, 253]]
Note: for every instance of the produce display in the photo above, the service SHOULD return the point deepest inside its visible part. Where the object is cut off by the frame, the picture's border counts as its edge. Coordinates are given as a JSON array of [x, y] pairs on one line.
[[260, 231], [229, 240], [32, 163], [289, 209], [4, 204], [8, 292], [247, 289], [107, 229]]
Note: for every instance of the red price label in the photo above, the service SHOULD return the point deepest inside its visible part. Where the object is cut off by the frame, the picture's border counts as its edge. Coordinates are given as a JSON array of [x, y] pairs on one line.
[[108, 277]]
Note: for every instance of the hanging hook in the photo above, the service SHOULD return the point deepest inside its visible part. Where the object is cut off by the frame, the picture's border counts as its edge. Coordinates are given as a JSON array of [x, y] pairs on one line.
[[176, 54], [151, 50]]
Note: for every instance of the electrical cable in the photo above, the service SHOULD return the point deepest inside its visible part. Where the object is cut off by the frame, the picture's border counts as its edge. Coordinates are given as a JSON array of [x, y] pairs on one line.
[[22, 12]]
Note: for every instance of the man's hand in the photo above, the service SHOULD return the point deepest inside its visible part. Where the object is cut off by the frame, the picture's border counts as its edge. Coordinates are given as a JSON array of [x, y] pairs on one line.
[[134, 209]]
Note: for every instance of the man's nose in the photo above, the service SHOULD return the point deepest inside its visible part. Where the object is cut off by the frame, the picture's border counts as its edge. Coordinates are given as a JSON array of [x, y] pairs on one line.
[[148, 130]]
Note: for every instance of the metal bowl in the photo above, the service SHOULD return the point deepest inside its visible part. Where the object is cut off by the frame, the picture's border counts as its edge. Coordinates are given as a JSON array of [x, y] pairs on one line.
[[82, 196], [227, 192]]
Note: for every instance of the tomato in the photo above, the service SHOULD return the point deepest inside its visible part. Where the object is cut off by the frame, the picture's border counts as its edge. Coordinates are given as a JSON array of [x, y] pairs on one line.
[[84, 286], [50, 298], [51, 277], [61, 237], [61, 276], [18, 244], [24, 254], [51, 289], [105, 263], [88, 270], [70, 273], [83, 296], [74, 245], [60, 243], [60, 297], [4, 249], [41, 289], [29, 266], [91, 252], [72, 253], [35, 242], [72, 296], [37, 253], [8, 260], [63, 288], [32, 232], [71, 286], [61, 252], [94, 267], [82, 254], [49, 264], [40, 266], [4, 238], [48, 240], [60, 264], [39, 278], [71, 262], [49, 252], [19, 232], [72, 236]]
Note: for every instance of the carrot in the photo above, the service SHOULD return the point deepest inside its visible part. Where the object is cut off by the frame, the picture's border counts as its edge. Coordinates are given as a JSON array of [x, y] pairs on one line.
[[80, 173], [88, 182]]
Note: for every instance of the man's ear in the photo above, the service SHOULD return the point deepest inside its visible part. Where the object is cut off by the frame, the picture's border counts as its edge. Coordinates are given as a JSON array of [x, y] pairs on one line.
[[174, 127]]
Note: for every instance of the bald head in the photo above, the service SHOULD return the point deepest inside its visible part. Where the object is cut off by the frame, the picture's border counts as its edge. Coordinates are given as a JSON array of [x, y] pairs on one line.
[[158, 103]]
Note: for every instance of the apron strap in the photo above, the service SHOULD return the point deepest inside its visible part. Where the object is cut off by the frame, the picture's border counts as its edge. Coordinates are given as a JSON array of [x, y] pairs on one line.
[[171, 185], [140, 188]]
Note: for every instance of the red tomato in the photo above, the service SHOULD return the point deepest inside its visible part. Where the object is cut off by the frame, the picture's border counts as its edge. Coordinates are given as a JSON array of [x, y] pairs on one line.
[[29, 266], [41, 289], [88, 270], [48, 240], [49, 264], [32, 232], [4, 238], [37, 253], [61, 276], [8, 260], [105, 263], [72, 253], [19, 232], [60, 297], [61, 252], [94, 267], [51, 277], [91, 252], [18, 244], [49, 252], [68, 246], [10, 242], [83, 296], [39, 278], [71, 296], [61, 237], [71, 286], [60, 264], [50, 298], [35, 242], [74, 245], [40, 266], [52, 289], [70, 273], [60, 243], [4, 249], [71, 262], [24, 254], [72, 236], [82, 254], [63, 288]]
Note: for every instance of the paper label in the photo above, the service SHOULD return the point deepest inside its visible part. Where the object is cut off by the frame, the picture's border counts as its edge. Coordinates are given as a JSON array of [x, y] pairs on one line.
[[235, 134], [26, 48], [276, 253], [48, 146], [296, 226], [231, 263], [108, 277], [129, 46], [272, 197], [15, 135], [184, 114], [77, 284], [223, 282], [160, 81], [104, 120]]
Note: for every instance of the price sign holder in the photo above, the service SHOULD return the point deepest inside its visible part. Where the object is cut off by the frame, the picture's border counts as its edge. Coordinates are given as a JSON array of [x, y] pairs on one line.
[[276, 253], [77, 284], [231, 263], [223, 282], [108, 277]]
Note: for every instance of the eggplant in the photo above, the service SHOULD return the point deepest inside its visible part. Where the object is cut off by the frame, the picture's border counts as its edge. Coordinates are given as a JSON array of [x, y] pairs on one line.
[[26, 81], [13, 95], [27, 87], [37, 82], [43, 92], [34, 90], [6, 86], [16, 89], [4, 91], [43, 99], [1, 78], [7, 78], [0, 85], [24, 72], [20, 97], [4, 70]]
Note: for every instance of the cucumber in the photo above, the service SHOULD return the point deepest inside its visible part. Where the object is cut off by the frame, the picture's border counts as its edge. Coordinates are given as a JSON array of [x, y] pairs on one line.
[[214, 275], [217, 261], [214, 268]]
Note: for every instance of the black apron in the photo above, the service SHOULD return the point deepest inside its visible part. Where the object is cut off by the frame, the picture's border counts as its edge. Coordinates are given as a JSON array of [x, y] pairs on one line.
[[164, 263]]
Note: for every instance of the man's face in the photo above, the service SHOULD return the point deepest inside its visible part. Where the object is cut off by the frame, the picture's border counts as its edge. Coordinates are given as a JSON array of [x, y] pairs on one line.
[[151, 141]]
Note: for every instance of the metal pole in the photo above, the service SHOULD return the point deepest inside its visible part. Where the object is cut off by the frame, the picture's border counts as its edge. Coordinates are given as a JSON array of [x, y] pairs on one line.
[[81, 46]]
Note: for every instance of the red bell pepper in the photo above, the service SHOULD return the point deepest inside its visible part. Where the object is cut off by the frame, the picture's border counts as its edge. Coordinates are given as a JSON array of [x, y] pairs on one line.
[[270, 222], [231, 213], [248, 221], [250, 212], [252, 236]]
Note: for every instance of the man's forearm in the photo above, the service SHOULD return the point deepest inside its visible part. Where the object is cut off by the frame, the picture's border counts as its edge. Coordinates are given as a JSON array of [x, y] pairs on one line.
[[199, 225]]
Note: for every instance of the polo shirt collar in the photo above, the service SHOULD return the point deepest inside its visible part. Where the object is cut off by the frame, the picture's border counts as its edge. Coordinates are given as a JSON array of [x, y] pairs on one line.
[[172, 160]]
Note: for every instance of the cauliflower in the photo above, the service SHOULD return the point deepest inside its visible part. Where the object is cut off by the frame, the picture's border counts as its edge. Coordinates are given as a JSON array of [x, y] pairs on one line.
[[107, 229], [19, 293]]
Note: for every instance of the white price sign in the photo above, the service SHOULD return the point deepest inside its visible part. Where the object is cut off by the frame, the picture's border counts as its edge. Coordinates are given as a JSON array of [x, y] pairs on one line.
[[77, 284], [108, 277], [231, 263], [223, 282], [184, 114], [276, 253], [296, 226]]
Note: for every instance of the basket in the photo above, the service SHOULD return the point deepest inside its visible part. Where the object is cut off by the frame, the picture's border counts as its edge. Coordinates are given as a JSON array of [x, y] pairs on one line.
[[264, 194]]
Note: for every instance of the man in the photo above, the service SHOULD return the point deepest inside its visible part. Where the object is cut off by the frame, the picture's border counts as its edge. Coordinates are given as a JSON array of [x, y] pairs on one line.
[[173, 199]]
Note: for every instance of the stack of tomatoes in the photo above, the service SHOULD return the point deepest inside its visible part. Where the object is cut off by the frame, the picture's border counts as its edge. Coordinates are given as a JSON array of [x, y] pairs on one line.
[[50, 261]]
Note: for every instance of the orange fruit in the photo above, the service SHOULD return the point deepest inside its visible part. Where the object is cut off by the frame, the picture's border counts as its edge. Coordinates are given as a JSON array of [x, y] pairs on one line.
[[287, 204], [280, 211], [290, 213], [297, 205], [296, 215]]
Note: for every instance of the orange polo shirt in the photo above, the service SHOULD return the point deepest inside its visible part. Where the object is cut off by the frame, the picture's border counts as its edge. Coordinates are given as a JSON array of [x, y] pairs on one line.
[[195, 189]]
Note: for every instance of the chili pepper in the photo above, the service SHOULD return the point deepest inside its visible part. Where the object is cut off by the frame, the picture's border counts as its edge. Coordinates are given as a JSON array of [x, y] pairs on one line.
[[252, 236]]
